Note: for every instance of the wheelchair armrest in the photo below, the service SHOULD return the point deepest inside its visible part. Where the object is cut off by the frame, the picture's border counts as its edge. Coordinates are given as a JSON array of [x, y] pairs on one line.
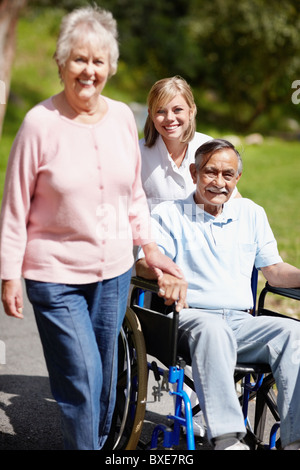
[[292, 293], [146, 284]]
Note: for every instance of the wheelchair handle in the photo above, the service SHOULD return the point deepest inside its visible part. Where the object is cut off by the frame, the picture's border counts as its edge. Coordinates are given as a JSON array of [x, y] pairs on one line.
[[152, 286]]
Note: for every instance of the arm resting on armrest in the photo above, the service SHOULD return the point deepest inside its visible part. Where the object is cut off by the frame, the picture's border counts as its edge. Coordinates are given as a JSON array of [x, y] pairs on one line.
[[171, 288]]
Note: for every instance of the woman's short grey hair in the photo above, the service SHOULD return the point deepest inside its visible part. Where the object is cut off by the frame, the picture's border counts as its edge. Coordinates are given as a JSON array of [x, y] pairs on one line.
[[87, 24], [206, 151]]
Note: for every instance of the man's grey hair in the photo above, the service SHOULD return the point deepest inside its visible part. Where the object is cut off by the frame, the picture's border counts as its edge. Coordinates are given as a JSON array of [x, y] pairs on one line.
[[206, 150]]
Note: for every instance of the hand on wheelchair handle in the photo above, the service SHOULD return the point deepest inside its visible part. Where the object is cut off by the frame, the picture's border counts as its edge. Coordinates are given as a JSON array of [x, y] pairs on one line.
[[172, 290]]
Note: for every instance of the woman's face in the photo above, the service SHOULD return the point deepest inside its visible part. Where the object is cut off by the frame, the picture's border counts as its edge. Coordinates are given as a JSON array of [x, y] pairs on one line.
[[173, 119], [85, 72]]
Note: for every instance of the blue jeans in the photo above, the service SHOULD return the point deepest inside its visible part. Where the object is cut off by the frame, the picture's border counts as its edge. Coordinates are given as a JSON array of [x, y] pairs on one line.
[[79, 327], [217, 339]]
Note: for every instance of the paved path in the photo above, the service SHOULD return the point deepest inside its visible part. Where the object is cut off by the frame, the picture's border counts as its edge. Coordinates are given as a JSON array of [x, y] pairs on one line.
[[29, 418]]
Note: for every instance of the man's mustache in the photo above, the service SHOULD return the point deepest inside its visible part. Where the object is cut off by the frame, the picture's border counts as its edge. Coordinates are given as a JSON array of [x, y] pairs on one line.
[[213, 189]]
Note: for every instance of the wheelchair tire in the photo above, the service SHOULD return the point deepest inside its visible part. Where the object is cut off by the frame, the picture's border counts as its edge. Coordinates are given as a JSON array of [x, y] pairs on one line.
[[131, 386]]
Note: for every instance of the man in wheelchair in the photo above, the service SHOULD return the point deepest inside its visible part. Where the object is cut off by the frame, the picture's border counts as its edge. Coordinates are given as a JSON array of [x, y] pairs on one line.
[[216, 245]]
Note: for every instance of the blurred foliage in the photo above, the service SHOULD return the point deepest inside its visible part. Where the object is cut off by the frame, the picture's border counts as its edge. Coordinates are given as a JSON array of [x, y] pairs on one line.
[[158, 49], [251, 51], [240, 57]]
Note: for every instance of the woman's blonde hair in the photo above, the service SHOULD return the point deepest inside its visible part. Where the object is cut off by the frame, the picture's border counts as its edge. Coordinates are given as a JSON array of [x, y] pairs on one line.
[[88, 24], [161, 93]]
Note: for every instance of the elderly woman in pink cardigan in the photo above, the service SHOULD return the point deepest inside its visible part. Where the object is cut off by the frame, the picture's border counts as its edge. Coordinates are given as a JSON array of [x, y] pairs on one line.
[[72, 210]]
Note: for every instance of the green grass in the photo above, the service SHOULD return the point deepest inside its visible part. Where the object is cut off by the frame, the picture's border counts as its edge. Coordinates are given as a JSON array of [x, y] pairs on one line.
[[271, 178]]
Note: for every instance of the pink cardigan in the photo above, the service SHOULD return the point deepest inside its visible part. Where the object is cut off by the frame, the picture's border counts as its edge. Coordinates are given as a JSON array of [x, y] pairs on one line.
[[73, 202]]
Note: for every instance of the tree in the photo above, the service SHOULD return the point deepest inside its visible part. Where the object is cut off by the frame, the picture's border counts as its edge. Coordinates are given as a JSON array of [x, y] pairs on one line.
[[153, 39], [247, 53], [9, 14], [250, 54]]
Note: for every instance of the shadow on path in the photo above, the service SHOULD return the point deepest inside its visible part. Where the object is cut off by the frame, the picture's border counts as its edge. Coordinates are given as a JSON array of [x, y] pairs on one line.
[[30, 417]]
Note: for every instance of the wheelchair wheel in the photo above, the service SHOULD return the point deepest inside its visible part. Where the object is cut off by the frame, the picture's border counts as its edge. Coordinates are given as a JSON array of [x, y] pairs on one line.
[[131, 386]]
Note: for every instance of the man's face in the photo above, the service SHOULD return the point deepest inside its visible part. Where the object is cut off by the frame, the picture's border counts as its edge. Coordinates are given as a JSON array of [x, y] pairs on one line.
[[216, 181]]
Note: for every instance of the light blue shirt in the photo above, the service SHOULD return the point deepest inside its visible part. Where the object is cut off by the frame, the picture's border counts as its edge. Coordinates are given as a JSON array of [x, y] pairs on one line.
[[216, 254]]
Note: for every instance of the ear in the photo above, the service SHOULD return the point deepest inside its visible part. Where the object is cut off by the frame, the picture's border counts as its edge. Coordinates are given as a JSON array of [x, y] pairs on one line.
[[193, 111], [193, 171], [60, 72], [238, 177]]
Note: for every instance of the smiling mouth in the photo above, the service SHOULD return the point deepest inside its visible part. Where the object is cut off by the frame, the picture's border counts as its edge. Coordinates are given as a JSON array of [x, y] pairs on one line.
[[86, 82], [171, 128]]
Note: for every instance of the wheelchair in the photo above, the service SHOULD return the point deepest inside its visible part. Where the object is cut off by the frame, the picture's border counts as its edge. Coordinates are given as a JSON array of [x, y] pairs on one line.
[[149, 330]]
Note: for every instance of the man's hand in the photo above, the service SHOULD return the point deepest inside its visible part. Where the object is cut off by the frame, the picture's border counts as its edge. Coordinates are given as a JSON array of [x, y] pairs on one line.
[[12, 297], [173, 290]]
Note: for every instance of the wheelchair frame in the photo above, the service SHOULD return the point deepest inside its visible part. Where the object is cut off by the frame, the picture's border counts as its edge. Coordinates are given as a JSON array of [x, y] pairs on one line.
[[132, 392]]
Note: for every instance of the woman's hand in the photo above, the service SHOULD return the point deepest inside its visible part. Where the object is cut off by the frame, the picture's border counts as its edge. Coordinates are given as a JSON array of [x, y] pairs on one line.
[[12, 297], [159, 262]]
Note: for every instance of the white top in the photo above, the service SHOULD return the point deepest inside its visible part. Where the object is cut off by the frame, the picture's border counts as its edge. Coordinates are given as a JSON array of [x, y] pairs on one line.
[[161, 178]]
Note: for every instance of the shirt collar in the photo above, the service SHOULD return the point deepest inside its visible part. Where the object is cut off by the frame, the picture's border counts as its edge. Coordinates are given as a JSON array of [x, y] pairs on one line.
[[229, 213], [167, 159], [162, 148]]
